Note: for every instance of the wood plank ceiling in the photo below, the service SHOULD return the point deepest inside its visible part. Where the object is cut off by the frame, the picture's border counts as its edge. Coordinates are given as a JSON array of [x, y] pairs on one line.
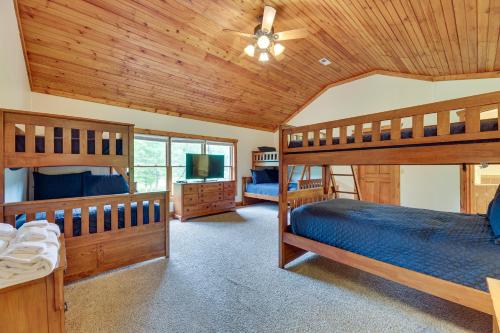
[[172, 57]]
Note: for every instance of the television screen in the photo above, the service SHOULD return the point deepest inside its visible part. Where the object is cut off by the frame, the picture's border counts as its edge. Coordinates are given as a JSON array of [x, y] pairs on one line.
[[201, 166]]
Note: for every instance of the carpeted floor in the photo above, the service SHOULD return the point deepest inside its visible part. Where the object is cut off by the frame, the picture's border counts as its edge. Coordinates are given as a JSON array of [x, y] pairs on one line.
[[222, 276]]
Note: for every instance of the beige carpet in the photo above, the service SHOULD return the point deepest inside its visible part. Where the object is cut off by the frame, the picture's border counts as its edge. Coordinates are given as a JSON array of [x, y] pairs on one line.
[[222, 276]]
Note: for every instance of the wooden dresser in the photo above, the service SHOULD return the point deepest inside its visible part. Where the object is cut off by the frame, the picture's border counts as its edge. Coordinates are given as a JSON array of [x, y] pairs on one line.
[[35, 306], [198, 199]]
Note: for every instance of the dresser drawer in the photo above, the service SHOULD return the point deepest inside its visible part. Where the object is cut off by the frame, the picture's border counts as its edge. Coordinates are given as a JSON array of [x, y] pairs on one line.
[[211, 187], [190, 189], [211, 196], [190, 199], [226, 204], [198, 209], [229, 186], [229, 195]]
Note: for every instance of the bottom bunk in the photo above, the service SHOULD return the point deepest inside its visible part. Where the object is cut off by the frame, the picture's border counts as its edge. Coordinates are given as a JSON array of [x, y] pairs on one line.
[[270, 191], [103, 232], [448, 255]]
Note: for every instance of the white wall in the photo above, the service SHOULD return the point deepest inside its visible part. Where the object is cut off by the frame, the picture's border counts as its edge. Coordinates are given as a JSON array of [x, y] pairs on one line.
[[14, 87], [248, 139], [435, 187], [14, 84]]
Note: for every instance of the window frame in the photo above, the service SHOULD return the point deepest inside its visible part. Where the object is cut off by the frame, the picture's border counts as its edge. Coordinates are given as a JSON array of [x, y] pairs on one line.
[[170, 137], [155, 138]]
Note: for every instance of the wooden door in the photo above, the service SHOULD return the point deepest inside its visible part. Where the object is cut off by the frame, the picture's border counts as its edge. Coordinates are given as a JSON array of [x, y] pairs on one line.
[[478, 187], [379, 183]]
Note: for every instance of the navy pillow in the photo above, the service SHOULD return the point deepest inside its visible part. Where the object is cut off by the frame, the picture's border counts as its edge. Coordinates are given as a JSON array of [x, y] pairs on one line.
[[274, 175], [104, 184], [497, 193], [58, 186], [265, 149], [260, 176], [494, 218]]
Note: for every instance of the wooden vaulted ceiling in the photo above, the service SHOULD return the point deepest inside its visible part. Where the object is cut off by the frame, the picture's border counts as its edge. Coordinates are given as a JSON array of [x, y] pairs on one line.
[[172, 57]]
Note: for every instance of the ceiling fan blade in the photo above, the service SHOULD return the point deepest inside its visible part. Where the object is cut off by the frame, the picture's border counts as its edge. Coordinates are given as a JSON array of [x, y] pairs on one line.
[[268, 18], [239, 33], [292, 34]]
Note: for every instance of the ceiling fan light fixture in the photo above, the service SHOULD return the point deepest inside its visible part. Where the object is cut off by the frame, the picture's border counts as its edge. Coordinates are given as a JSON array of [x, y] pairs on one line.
[[264, 57], [263, 42], [278, 49], [250, 50]]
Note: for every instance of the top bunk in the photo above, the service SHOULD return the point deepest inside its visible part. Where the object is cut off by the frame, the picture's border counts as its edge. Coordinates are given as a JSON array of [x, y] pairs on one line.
[[463, 130], [265, 159], [43, 140]]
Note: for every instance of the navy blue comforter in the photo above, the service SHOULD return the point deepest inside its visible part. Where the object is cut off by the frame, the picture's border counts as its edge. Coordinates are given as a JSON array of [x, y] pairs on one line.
[[271, 189], [77, 221], [451, 246]]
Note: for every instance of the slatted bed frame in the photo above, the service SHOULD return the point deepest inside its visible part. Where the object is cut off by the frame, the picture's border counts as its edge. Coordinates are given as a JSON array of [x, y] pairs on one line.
[[271, 159], [471, 147], [89, 253]]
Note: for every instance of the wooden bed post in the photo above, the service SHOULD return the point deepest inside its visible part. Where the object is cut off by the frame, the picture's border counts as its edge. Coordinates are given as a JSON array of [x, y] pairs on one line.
[[325, 178], [2, 168], [287, 252], [131, 182]]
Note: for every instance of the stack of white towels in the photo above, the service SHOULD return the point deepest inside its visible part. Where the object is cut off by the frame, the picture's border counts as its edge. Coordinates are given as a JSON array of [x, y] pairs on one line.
[[29, 253]]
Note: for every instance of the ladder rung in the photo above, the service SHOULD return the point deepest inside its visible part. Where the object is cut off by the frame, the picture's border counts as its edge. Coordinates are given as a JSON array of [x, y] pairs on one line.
[[346, 192], [343, 174]]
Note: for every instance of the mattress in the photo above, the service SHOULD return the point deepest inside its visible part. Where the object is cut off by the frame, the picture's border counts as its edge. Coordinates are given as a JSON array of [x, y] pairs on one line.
[[271, 189], [406, 133], [455, 247], [77, 221], [75, 143]]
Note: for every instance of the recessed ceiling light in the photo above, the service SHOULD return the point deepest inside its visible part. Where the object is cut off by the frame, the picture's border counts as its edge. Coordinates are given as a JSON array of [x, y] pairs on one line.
[[324, 61]]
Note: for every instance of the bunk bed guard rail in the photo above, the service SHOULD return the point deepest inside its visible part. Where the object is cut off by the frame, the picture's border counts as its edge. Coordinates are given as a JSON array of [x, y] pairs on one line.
[[469, 119]]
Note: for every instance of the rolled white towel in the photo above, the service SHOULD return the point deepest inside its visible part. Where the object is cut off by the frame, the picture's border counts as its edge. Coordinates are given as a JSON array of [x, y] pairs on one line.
[[44, 225], [36, 223], [7, 231], [31, 234], [19, 268], [52, 239], [7, 239], [3, 245], [54, 228], [32, 248]]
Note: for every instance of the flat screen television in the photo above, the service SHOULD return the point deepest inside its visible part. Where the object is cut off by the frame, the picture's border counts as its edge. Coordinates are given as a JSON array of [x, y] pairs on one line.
[[204, 166]]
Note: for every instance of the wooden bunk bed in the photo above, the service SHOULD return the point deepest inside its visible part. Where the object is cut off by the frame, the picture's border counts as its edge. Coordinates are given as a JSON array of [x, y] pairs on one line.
[[271, 160], [425, 134], [111, 231]]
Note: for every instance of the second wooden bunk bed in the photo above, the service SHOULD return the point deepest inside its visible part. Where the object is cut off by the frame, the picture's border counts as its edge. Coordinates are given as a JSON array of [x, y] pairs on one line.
[[425, 134], [271, 160], [109, 236]]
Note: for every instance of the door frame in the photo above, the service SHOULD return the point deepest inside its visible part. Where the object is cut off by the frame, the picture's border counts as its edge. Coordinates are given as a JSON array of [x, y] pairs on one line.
[[466, 183]]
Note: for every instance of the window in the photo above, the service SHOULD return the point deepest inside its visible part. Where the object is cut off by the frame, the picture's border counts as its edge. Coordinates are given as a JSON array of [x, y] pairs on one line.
[[150, 163], [226, 149], [181, 147], [157, 158]]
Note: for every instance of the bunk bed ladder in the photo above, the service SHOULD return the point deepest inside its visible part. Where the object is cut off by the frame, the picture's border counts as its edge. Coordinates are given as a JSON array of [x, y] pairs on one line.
[[335, 188]]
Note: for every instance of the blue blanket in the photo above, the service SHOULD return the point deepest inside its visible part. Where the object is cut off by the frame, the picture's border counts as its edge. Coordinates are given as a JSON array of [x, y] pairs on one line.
[[271, 189], [455, 247], [77, 220]]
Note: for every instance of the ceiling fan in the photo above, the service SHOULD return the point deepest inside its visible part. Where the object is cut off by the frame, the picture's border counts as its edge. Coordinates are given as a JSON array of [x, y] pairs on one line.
[[265, 40]]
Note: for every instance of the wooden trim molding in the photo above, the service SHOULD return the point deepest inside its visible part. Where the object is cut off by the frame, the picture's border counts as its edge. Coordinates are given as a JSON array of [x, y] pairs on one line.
[[23, 44], [183, 135]]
